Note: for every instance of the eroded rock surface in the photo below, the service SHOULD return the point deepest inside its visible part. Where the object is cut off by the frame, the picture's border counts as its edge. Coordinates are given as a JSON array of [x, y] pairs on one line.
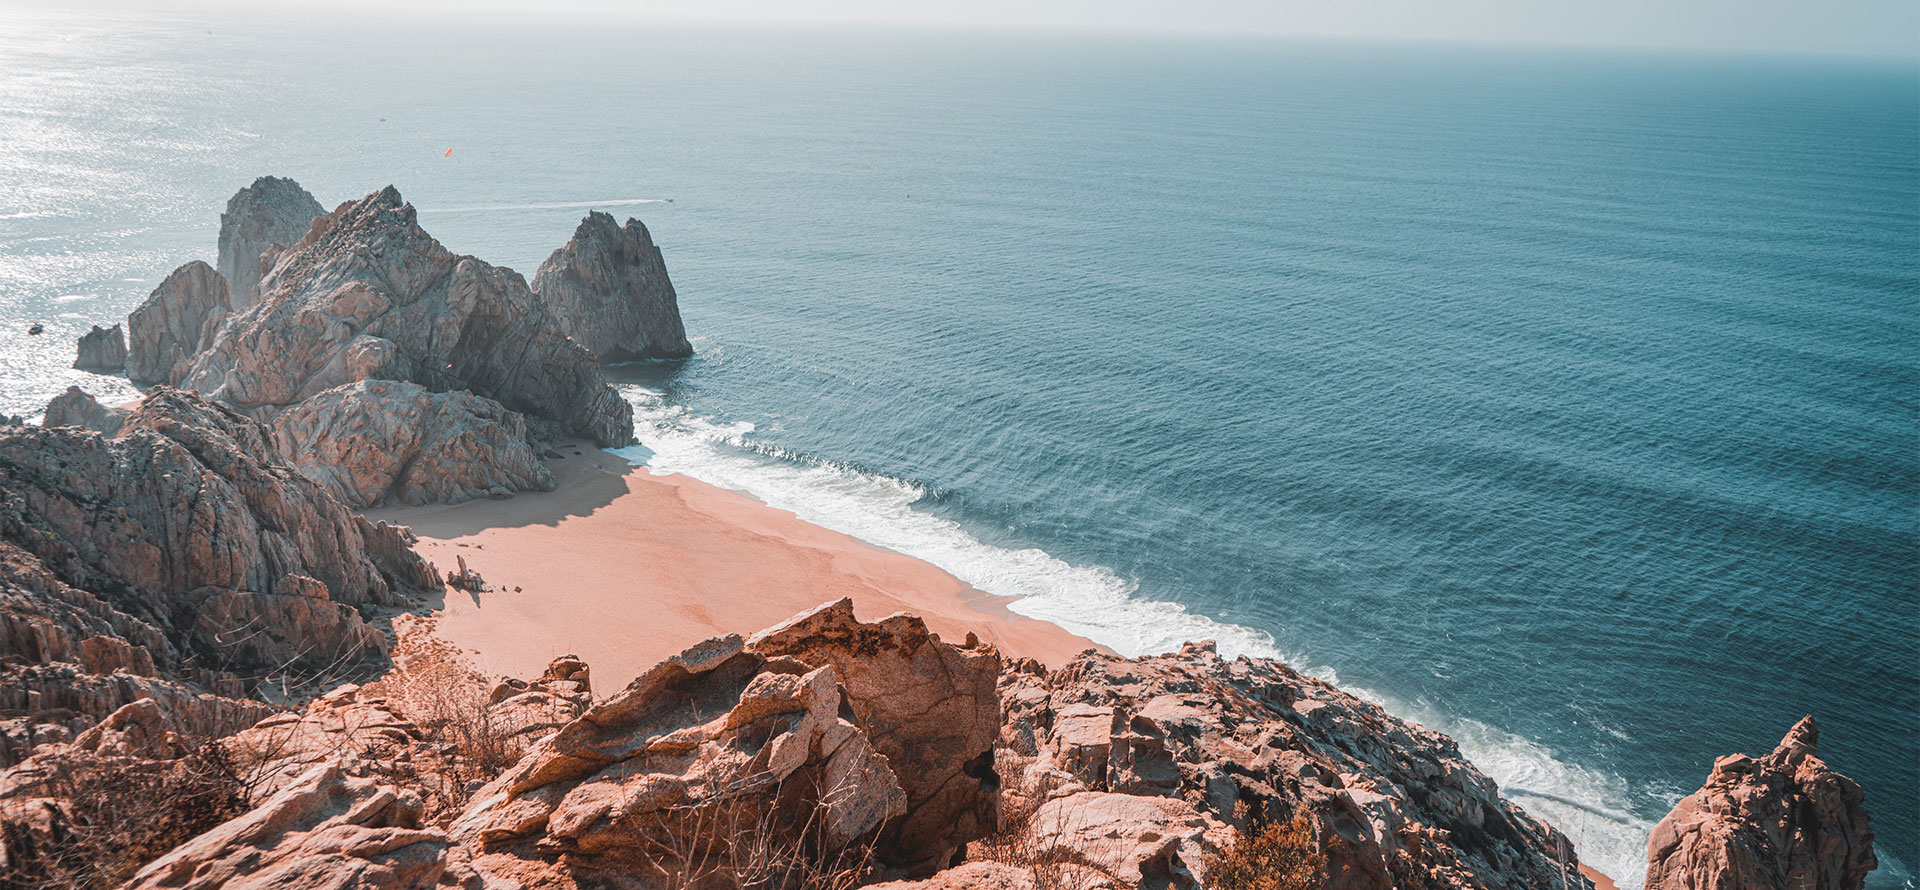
[[368, 294], [174, 322], [1392, 804], [1760, 823], [931, 707], [380, 442], [702, 753], [261, 220], [102, 349], [75, 408], [609, 289]]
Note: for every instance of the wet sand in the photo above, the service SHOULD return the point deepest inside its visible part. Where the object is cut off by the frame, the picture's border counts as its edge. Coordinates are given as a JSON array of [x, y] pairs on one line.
[[624, 568]]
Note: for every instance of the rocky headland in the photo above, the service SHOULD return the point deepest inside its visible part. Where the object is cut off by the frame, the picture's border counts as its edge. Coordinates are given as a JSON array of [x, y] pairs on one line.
[[216, 672]]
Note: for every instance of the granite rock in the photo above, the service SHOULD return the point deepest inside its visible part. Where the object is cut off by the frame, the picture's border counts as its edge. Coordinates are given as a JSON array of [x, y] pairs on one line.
[[609, 289], [103, 350], [261, 220], [174, 322]]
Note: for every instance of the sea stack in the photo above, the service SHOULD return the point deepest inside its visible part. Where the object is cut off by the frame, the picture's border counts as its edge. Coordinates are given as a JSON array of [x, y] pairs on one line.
[[103, 350], [1783, 820], [174, 322], [261, 220], [609, 288]]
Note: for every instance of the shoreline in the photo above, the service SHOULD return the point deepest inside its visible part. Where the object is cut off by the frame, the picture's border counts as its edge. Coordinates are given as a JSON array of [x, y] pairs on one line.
[[624, 567]]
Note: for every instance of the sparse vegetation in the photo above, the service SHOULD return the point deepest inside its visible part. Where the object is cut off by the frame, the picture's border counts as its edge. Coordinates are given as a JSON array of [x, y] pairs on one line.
[[1269, 855]]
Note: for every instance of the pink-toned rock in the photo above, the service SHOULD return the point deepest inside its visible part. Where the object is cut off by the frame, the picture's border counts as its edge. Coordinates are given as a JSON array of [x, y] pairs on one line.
[[702, 752], [102, 350], [609, 289], [1134, 841], [174, 322], [971, 876], [366, 293], [931, 707], [1392, 805], [1780, 821], [75, 408], [380, 442], [261, 220], [324, 830]]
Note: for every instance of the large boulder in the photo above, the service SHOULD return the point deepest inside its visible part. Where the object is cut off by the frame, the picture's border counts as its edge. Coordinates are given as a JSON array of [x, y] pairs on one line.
[[75, 408], [327, 829], [931, 707], [174, 322], [1783, 820], [609, 289], [261, 220], [188, 523], [391, 442], [102, 349], [367, 293], [714, 761], [1391, 804]]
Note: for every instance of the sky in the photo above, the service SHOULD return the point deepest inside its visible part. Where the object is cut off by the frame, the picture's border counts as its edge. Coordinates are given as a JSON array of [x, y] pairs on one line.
[[1882, 28]]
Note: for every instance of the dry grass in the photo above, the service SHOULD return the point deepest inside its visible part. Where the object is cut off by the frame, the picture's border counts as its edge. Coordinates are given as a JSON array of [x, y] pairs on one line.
[[433, 686], [118, 815], [1269, 855]]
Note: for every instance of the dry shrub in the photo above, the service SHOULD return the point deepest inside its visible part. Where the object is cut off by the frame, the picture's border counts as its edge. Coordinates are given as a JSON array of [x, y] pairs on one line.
[[1017, 843], [433, 686], [1269, 855], [734, 839], [118, 814]]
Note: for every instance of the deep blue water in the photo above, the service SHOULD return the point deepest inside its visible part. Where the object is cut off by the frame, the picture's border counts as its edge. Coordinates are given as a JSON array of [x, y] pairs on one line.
[[1565, 402]]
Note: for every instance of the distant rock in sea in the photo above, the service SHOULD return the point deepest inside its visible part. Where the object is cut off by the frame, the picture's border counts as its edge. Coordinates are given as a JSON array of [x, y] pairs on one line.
[[609, 289], [1783, 820], [368, 294], [261, 220], [174, 322], [103, 350]]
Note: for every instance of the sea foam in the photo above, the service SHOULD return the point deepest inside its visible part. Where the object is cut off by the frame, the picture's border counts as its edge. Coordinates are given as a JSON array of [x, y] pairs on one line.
[[1590, 806]]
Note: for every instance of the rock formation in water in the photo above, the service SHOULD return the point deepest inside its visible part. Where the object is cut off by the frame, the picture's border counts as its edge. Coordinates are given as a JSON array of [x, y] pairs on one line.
[[1780, 821], [261, 220], [75, 408], [392, 442], [103, 350], [609, 289], [174, 322], [368, 294]]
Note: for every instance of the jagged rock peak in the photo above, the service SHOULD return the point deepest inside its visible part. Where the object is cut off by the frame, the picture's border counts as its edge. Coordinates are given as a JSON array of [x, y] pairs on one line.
[[261, 220], [174, 322], [102, 349], [1783, 820], [367, 294], [610, 290], [76, 408]]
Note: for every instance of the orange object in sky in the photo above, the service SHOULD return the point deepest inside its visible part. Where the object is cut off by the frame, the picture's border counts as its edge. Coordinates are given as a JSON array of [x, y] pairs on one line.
[[449, 152]]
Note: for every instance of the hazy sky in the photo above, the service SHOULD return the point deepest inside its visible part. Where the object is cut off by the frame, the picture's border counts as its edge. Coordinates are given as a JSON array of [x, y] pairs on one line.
[[1838, 27]]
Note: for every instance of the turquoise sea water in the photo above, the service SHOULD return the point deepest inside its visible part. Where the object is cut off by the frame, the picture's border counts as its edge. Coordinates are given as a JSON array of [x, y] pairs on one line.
[[1565, 402]]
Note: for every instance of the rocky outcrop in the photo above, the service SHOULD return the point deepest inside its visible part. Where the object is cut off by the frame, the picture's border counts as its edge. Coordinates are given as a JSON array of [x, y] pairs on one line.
[[75, 408], [327, 829], [261, 220], [931, 707], [609, 289], [174, 322], [391, 442], [103, 350], [1782, 820], [1391, 804], [1128, 840], [187, 535], [368, 294], [667, 779]]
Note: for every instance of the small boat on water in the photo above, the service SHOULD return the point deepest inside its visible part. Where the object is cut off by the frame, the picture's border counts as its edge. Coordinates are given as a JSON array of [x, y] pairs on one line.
[[37, 328]]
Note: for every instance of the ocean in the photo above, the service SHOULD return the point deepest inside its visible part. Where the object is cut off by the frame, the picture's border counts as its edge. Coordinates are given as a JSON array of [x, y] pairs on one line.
[[1565, 401]]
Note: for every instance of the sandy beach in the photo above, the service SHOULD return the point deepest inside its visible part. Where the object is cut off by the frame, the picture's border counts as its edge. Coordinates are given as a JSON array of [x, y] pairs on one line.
[[624, 568]]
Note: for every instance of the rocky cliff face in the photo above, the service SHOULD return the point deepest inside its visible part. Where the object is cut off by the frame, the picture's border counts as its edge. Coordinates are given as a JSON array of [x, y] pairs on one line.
[[183, 547], [261, 220], [391, 442], [368, 294], [75, 408], [1778, 821], [102, 349], [609, 289], [174, 322]]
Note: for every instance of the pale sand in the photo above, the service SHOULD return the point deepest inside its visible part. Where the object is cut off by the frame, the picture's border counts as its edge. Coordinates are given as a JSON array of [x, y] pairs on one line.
[[625, 568]]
